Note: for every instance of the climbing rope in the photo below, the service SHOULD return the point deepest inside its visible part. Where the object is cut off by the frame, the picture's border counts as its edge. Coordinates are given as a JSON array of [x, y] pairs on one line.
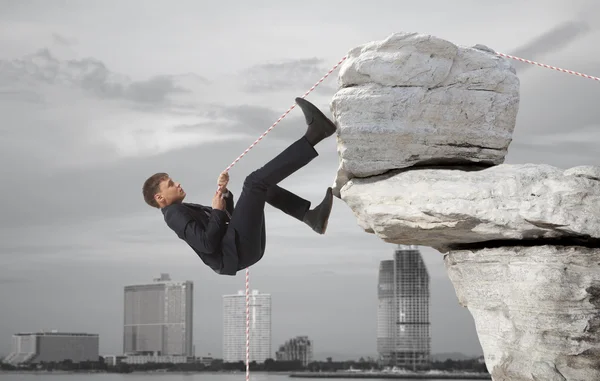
[[548, 66], [227, 170], [284, 115]]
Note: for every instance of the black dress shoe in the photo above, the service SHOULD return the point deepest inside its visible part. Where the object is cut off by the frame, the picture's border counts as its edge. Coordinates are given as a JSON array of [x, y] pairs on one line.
[[318, 217], [319, 126]]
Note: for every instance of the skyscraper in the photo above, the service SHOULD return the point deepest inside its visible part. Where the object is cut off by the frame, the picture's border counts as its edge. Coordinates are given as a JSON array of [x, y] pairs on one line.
[[299, 348], [159, 317], [403, 337], [234, 327]]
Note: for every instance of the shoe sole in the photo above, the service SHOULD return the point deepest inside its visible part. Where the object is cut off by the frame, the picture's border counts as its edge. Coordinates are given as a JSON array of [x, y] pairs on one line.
[[329, 194], [317, 115]]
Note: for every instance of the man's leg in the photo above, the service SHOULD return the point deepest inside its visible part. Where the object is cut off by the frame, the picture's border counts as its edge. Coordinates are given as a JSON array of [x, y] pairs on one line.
[[299, 208], [286, 201], [248, 219], [247, 226]]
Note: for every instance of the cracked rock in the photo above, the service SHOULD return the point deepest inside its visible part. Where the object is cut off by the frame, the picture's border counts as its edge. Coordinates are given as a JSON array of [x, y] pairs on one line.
[[443, 208], [424, 126], [535, 309], [415, 98]]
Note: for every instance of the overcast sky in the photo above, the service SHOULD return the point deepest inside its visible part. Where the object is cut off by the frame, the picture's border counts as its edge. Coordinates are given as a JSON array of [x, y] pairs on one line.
[[97, 96]]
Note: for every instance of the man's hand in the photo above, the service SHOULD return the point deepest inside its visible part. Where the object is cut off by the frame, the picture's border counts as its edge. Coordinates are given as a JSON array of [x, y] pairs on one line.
[[218, 202], [223, 181]]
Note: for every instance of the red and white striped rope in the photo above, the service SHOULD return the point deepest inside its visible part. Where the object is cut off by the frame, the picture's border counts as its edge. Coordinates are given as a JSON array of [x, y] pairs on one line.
[[549, 67], [284, 115], [247, 326], [227, 169]]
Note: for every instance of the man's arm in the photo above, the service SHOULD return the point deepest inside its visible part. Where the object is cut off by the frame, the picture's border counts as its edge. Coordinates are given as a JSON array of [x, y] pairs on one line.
[[206, 240]]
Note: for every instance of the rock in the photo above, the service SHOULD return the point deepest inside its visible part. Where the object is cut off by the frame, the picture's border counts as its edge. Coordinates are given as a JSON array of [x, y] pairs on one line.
[[536, 309], [423, 129], [412, 99], [443, 208], [586, 171]]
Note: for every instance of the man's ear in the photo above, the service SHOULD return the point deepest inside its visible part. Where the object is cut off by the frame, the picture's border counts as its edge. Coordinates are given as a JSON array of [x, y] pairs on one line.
[[159, 197]]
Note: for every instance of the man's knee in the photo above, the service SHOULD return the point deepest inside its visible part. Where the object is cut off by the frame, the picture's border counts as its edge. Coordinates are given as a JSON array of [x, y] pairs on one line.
[[255, 180]]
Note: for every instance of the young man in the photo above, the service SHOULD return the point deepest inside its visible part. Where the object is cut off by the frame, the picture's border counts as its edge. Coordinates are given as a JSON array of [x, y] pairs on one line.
[[229, 239]]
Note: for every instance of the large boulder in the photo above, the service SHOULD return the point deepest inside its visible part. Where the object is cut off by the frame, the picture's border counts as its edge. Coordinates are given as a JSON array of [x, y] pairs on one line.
[[445, 208], [417, 99], [424, 126], [536, 309]]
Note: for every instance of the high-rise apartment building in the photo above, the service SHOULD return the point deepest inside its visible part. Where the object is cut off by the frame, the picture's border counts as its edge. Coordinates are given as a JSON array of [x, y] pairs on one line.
[[159, 318], [299, 348], [54, 346], [403, 336], [234, 327]]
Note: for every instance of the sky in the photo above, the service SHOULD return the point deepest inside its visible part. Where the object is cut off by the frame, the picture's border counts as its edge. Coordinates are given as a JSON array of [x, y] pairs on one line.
[[97, 96]]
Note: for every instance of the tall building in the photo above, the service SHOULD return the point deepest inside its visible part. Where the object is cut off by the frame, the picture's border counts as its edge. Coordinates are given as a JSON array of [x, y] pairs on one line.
[[299, 348], [234, 327], [403, 337], [159, 318], [32, 348]]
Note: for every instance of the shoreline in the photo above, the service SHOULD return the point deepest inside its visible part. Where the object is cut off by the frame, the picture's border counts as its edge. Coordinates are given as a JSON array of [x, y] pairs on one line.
[[313, 375], [387, 375]]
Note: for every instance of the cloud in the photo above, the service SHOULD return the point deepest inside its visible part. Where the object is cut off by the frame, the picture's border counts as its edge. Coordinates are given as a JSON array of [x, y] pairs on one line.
[[64, 41], [78, 132], [12, 280], [94, 77], [83, 115], [551, 41], [255, 120], [285, 75]]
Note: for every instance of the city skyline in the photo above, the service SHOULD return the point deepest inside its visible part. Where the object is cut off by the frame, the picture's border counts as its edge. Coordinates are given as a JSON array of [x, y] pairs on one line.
[[145, 304], [91, 111]]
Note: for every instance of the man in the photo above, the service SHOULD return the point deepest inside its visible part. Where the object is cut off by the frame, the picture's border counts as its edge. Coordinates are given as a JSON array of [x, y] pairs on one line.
[[229, 239]]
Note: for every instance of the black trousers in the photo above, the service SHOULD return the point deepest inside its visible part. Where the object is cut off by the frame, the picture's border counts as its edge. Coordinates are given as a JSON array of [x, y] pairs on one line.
[[246, 235]]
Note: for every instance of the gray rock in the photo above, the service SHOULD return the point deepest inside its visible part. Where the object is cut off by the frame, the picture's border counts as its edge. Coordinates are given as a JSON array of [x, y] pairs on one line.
[[415, 98], [442, 207], [536, 309], [423, 129]]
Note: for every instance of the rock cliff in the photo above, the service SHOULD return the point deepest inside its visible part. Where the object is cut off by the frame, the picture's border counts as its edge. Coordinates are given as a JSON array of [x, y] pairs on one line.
[[423, 130]]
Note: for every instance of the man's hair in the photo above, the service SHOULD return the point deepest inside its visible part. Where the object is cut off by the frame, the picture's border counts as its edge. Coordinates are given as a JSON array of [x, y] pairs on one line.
[[151, 188]]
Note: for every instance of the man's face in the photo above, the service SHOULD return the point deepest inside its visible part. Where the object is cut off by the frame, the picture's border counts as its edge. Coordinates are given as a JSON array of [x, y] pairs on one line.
[[170, 192]]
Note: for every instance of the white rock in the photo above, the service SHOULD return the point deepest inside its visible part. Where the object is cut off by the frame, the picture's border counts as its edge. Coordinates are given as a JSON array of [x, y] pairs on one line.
[[413, 98], [441, 207], [536, 309], [586, 171]]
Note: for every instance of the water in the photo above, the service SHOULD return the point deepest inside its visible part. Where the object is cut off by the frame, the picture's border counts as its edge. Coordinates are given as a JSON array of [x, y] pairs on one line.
[[41, 376]]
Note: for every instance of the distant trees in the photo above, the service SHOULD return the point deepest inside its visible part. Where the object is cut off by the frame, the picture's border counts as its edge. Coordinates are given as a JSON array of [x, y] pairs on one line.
[[218, 365], [469, 365], [4, 366]]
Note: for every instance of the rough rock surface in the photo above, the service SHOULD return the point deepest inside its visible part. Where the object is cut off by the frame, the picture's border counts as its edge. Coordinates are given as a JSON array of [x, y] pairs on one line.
[[442, 208], [423, 128], [415, 98], [536, 309]]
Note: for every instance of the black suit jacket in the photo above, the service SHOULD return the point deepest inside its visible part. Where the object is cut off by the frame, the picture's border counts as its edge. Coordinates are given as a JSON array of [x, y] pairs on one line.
[[203, 229]]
